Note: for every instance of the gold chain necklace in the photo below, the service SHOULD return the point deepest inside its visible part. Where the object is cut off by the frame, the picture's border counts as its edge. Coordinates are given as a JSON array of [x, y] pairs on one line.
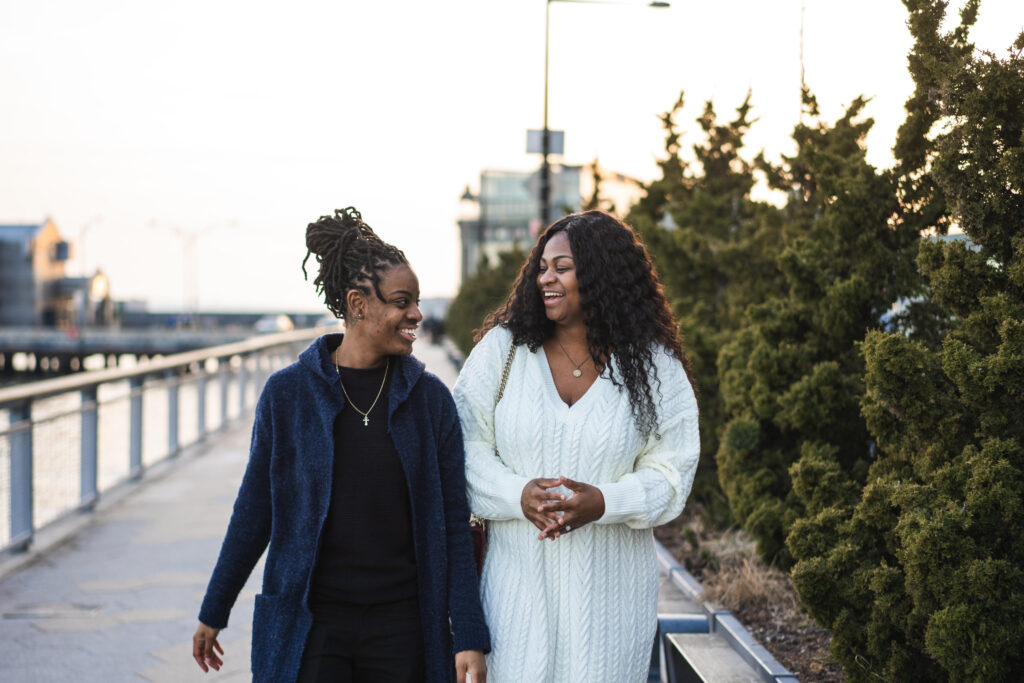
[[366, 415], [576, 371]]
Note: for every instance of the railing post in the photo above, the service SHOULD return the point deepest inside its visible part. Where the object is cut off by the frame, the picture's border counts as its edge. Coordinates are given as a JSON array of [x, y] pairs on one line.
[[262, 361], [201, 401], [90, 448], [225, 382], [21, 475], [243, 380], [137, 385], [172, 412], [268, 370]]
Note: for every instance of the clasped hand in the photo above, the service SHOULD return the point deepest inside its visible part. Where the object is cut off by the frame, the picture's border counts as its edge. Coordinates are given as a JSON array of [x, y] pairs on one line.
[[554, 513]]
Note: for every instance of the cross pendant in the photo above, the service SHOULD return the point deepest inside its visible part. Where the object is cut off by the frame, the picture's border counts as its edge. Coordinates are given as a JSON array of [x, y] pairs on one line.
[[366, 420]]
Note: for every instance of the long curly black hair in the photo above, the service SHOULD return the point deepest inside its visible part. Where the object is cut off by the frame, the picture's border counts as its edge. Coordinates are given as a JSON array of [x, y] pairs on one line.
[[349, 255], [624, 307]]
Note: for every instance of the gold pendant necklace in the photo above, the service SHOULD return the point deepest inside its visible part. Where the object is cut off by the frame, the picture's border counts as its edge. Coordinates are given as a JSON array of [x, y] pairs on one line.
[[366, 415], [576, 371]]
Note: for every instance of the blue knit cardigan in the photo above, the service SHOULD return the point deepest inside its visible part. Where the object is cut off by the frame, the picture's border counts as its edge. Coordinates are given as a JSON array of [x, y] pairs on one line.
[[283, 502]]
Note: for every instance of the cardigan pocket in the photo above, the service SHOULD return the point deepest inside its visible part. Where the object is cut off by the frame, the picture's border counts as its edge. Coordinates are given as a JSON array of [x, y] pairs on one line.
[[266, 636]]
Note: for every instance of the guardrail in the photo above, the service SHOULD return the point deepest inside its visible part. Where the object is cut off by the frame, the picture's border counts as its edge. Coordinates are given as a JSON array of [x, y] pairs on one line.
[[120, 421], [678, 663]]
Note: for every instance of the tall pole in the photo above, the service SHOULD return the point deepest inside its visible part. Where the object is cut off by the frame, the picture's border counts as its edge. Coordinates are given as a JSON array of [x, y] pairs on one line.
[[80, 246], [545, 142], [481, 229], [191, 275], [189, 261], [545, 167]]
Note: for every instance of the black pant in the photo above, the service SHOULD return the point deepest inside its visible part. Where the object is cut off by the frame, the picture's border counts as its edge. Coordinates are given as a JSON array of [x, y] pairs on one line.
[[353, 643]]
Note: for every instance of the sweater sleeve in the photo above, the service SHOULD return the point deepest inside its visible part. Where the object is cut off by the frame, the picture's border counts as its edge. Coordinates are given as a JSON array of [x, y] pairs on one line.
[[495, 490], [249, 529], [656, 490], [469, 628]]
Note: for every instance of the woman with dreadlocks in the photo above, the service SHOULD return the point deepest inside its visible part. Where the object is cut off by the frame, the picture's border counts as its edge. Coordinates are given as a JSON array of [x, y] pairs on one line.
[[356, 488], [581, 435]]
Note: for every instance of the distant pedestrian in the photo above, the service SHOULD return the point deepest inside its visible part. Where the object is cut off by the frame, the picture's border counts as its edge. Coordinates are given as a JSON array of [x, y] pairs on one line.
[[434, 327], [593, 442], [356, 488]]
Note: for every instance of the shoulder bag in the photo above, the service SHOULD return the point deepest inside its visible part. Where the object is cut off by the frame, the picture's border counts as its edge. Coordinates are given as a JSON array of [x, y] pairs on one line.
[[477, 525]]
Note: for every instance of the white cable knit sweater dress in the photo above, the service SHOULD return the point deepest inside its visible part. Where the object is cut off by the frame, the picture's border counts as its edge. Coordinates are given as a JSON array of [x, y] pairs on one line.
[[583, 607]]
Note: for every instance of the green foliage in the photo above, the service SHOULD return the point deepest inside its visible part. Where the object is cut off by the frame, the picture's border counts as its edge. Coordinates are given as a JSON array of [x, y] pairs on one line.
[[481, 294], [791, 380], [920, 574], [712, 245]]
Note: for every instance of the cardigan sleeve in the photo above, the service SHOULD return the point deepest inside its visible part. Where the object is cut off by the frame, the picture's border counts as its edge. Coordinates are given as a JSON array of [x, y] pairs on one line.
[[469, 628], [656, 490], [249, 529], [495, 490]]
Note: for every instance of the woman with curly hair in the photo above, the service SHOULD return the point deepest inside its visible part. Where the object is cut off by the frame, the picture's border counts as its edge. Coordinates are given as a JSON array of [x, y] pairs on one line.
[[580, 426], [356, 489]]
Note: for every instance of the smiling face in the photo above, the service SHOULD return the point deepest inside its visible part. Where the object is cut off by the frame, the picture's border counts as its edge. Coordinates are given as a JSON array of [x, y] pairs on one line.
[[556, 281], [388, 327]]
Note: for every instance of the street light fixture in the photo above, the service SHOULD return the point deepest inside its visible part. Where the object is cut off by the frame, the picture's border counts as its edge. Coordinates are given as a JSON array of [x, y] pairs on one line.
[[545, 167]]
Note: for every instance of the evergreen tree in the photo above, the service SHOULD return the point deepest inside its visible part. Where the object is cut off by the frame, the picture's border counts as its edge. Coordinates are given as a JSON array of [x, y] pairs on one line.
[[920, 572], [480, 294], [792, 377], [712, 245]]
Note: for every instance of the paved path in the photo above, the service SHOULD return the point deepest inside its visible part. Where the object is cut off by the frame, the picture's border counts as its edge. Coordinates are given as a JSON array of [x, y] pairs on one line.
[[118, 601]]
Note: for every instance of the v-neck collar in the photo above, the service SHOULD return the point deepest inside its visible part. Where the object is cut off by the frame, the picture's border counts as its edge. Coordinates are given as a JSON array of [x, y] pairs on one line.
[[549, 380]]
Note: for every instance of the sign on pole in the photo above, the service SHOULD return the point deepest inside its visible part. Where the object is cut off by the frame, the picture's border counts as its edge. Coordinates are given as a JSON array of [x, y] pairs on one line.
[[535, 141]]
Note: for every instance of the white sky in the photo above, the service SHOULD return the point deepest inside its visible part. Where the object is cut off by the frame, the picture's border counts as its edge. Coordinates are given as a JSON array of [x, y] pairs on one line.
[[195, 114]]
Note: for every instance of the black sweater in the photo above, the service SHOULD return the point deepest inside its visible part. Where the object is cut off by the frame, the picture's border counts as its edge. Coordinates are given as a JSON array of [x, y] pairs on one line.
[[366, 547]]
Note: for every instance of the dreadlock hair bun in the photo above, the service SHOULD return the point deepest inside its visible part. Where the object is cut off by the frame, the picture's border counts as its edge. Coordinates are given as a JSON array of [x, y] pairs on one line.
[[349, 255]]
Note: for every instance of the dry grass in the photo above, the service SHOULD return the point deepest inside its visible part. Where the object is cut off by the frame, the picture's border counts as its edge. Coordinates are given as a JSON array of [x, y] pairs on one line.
[[728, 545], [743, 583], [727, 566], [761, 597]]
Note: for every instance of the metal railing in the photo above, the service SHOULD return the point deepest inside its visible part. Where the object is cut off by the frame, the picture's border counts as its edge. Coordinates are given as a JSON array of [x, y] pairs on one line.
[[673, 666], [65, 441]]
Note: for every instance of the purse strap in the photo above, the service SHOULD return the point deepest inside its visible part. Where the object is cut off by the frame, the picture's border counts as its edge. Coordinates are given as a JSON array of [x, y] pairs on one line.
[[501, 389], [473, 519], [504, 373]]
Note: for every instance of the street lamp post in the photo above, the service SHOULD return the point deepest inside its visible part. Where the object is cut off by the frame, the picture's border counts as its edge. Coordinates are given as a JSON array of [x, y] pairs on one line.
[[545, 137], [190, 281], [80, 244]]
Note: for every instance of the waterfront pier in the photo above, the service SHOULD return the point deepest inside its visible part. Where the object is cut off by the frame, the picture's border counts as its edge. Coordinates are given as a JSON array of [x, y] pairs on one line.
[[109, 589]]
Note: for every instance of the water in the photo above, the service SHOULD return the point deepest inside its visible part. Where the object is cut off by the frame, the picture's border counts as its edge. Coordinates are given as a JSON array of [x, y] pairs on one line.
[[57, 437]]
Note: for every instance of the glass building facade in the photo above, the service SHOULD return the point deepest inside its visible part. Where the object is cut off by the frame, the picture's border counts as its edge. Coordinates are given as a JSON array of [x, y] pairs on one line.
[[506, 212]]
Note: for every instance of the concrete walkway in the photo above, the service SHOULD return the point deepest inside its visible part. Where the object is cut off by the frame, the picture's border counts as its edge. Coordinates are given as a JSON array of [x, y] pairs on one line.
[[118, 600]]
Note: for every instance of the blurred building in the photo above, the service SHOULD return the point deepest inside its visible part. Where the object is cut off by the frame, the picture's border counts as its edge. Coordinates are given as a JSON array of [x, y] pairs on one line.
[[33, 287], [84, 301], [505, 212]]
